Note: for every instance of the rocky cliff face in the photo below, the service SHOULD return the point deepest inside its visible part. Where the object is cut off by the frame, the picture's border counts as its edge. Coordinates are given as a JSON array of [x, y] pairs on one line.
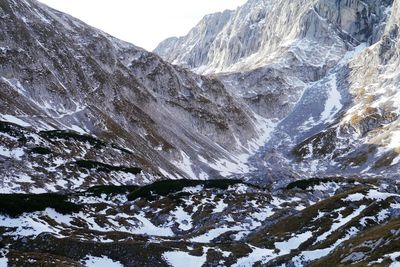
[[364, 137], [270, 51], [326, 76], [260, 31], [198, 41]]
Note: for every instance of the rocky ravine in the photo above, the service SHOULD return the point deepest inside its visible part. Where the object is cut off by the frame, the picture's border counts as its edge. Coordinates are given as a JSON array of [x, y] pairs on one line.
[[91, 127]]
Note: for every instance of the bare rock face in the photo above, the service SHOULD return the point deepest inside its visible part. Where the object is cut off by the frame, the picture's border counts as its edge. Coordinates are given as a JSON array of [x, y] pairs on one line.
[[325, 70], [362, 135], [200, 40], [268, 52], [262, 30]]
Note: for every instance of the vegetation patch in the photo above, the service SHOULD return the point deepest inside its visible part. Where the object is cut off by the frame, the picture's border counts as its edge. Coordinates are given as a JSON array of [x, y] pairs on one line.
[[360, 157], [111, 189], [12, 129], [304, 184], [322, 145], [99, 166], [166, 187], [386, 160], [71, 135], [16, 204], [41, 150], [385, 232], [305, 219]]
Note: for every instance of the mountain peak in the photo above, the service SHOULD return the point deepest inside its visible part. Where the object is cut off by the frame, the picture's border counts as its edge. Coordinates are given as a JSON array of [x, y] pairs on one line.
[[259, 29]]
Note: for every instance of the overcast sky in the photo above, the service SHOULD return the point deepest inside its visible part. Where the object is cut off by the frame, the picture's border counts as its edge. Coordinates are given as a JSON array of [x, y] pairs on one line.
[[144, 23]]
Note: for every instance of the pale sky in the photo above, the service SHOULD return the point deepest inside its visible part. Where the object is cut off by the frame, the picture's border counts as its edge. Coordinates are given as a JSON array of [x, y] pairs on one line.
[[144, 23]]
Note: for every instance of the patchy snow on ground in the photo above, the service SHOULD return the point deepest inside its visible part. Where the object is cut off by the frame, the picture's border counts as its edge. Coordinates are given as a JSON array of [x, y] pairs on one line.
[[394, 257], [372, 194], [148, 228], [311, 255], [354, 197], [183, 259], [26, 225], [294, 242], [16, 153], [3, 262], [258, 254], [182, 218], [329, 186], [339, 222], [220, 206], [262, 214], [214, 233], [93, 261]]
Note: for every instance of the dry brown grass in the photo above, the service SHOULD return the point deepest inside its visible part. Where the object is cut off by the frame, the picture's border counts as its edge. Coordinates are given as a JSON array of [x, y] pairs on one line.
[[356, 119], [370, 110]]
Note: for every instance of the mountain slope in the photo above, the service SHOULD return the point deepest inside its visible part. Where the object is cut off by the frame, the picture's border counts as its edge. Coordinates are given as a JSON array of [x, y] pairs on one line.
[[60, 74]]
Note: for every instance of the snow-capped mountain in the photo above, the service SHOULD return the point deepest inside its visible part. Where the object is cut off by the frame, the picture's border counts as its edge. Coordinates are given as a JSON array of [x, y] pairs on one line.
[[263, 31], [315, 66]]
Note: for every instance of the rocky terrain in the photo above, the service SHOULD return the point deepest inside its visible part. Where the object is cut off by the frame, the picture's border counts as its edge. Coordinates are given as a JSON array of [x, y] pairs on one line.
[[268, 136], [332, 221], [327, 79]]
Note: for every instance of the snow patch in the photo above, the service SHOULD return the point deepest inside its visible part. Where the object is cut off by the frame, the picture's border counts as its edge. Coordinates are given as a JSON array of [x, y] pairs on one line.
[[183, 219], [294, 242], [16, 153], [220, 206], [93, 261], [256, 255], [186, 165], [183, 259], [333, 103], [15, 120]]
